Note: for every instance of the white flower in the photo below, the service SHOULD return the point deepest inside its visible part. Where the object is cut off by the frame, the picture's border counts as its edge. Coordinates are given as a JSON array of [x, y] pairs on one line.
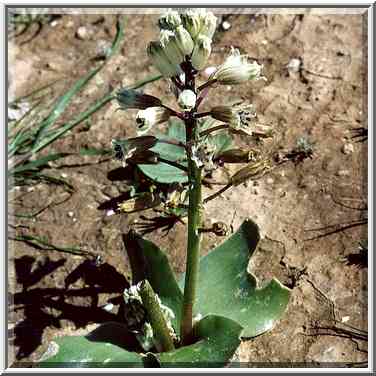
[[237, 69], [170, 46], [238, 117], [151, 116], [187, 100], [169, 20], [201, 52], [159, 58]]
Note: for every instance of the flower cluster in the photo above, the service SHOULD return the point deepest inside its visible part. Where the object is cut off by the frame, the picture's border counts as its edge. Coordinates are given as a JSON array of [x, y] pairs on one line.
[[185, 36]]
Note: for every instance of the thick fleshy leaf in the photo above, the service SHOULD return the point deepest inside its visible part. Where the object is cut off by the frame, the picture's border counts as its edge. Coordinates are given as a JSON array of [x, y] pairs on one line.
[[226, 288], [165, 173], [149, 262], [219, 337], [106, 346], [162, 172]]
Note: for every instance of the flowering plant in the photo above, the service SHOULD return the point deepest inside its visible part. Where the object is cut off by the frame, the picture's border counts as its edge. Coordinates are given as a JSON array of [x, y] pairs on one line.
[[200, 320]]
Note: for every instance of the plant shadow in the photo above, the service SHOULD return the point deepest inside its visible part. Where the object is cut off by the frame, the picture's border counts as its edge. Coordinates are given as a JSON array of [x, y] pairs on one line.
[[47, 307]]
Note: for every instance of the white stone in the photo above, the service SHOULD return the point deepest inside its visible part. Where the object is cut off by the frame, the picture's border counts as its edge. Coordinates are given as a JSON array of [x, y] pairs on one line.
[[294, 65], [226, 25], [347, 148], [82, 33]]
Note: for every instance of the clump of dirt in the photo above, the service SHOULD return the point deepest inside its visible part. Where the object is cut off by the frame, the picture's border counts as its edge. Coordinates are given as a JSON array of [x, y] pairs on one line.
[[312, 214]]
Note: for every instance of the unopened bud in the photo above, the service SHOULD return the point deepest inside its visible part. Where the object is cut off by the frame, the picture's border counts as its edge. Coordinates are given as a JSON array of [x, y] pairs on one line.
[[187, 100], [192, 22], [201, 52], [208, 24], [159, 58], [151, 116], [133, 99], [171, 48], [169, 20], [184, 40]]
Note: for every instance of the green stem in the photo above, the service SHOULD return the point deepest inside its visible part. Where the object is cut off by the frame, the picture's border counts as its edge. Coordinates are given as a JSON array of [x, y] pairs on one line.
[[193, 247], [156, 318]]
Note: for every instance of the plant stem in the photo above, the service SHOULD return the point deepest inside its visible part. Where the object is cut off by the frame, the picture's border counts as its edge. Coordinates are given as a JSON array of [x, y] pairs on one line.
[[194, 218], [193, 246], [216, 128], [156, 318]]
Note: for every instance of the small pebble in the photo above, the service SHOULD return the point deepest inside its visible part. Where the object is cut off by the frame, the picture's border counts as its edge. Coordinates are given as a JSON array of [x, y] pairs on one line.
[[294, 65], [226, 25], [264, 42], [70, 214], [345, 318], [110, 212], [108, 307], [64, 175], [269, 181], [343, 173], [54, 23], [347, 149], [82, 33]]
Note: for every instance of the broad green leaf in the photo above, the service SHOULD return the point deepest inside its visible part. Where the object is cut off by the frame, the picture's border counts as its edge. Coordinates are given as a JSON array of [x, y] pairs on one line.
[[104, 347], [226, 288], [222, 141], [149, 262], [219, 337], [162, 172]]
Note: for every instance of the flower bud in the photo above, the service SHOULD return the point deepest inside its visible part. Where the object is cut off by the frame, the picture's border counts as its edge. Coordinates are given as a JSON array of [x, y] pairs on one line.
[[191, 21], [159, 58], [187, 100], [184, 40], [171, 48], [133, 99], [208, 24], [238, 118], [236, 69], [169, 20], [151, 116], [201, 52]]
